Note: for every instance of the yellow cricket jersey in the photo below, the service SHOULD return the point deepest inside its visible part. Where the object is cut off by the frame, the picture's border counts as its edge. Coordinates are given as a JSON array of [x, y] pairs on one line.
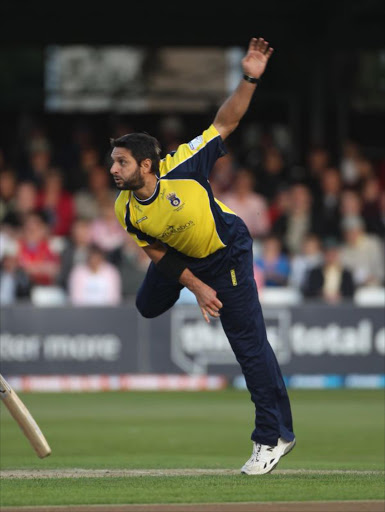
[[182, 212]]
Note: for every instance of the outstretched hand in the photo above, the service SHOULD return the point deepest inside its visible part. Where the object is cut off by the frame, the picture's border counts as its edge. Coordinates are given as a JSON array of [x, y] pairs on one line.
[[258, 54]]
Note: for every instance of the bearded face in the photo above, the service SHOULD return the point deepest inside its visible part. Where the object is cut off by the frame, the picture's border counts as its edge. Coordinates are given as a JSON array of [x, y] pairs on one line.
[[125, 170]]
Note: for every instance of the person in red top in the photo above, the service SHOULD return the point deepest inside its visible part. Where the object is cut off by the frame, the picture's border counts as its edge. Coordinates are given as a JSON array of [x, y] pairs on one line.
[[35, 256], [57, 204]]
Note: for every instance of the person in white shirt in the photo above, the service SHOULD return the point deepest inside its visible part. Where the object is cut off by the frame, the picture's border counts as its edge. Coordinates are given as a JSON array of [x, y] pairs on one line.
[[301, 264], [95, 283], [362, 253]]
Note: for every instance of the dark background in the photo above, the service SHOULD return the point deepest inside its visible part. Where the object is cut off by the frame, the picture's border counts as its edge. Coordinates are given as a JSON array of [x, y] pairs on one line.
[[320, 49], [343, 24]]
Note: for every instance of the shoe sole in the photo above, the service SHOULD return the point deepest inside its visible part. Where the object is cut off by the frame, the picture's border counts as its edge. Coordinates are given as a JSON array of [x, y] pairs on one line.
[[286, 452]]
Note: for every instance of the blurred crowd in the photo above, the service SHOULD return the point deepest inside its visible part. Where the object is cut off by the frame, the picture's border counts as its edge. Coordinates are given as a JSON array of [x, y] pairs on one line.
[[318, 225]]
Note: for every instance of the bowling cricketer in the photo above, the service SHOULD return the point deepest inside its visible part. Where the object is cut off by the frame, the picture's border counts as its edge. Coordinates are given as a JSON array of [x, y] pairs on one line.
[[195, 241]]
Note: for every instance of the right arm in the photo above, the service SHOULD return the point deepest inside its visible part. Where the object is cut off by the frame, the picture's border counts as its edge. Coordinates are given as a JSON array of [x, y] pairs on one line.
[[235, 107], [205, 295]]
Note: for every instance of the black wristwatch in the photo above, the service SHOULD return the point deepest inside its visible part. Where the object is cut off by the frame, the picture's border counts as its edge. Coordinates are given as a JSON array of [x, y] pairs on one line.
[[251, 79]]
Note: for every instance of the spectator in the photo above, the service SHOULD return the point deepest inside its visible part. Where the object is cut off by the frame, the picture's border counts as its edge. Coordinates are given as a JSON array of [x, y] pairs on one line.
[[89, 200], [39, 165], [273, 263], [272, 174], [362, 253], [349, 169], [89, 159], [330, 281], [371, 211], [7, 192], [95, 282], [35, 255], [8, 240], [365, 170], [76, 251], [132, 264], [327, 206], [293, 225], [25, 203], [318, 160], [350, 203], [106, 232], [280, 206], [14, 282], [248, 205], [310, 257], [37, 140], [222, 175], [56, 203]]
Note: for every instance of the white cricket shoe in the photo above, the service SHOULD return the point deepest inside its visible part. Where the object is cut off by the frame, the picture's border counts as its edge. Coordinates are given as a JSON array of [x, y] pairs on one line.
[[264, 457]]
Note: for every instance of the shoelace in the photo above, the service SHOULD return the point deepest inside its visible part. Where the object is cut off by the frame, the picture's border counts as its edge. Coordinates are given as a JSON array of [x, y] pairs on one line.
[[257, 452]]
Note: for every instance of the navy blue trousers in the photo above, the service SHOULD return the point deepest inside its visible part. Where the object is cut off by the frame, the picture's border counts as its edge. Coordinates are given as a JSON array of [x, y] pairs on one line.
[[244, 325]]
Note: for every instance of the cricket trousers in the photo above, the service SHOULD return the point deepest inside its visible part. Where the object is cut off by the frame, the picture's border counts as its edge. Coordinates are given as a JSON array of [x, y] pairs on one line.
[[242, 320]]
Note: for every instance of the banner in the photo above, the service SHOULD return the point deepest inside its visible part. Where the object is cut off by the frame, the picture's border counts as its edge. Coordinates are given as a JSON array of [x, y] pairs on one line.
[[309, 341], [68, 340]]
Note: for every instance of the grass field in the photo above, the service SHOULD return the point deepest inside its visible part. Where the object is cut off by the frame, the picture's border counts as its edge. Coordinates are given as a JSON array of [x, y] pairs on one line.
[[335, 429]]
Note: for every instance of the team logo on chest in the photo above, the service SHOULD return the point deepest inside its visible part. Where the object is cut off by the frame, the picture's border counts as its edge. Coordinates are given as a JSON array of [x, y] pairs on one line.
[[174, 199]]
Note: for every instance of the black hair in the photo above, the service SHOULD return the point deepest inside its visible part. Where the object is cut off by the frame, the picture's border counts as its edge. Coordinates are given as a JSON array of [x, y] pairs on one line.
[[96, 249], [42, 215], [142, 146]]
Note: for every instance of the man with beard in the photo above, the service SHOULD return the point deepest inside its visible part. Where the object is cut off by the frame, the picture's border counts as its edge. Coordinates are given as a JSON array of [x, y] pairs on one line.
[[196, 241]]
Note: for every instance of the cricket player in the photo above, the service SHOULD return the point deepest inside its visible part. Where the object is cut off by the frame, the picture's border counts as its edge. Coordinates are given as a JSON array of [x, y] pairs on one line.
[[194, 240]]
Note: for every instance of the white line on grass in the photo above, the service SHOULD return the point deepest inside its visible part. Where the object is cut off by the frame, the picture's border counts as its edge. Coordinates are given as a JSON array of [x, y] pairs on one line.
[[113, 473]]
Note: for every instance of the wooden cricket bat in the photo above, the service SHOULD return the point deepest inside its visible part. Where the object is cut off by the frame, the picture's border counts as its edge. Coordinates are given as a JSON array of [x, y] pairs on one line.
[[24, 418]]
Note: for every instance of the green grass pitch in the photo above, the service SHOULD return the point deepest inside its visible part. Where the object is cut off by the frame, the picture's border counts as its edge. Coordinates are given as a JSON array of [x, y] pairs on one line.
[[335, 429]]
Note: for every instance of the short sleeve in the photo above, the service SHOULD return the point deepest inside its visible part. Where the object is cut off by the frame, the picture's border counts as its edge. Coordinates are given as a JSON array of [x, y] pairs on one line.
[[199, 155]]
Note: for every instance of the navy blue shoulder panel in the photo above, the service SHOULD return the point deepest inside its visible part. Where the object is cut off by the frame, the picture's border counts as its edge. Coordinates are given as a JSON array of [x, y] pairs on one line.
[[203, 160]]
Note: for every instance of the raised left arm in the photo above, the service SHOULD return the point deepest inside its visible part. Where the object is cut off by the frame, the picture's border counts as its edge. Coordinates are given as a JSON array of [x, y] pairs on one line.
[[235, 107]]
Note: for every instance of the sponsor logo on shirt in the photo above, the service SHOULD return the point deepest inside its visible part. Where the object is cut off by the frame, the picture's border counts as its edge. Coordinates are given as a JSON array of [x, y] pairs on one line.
[[195, 143], [174, 230]]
